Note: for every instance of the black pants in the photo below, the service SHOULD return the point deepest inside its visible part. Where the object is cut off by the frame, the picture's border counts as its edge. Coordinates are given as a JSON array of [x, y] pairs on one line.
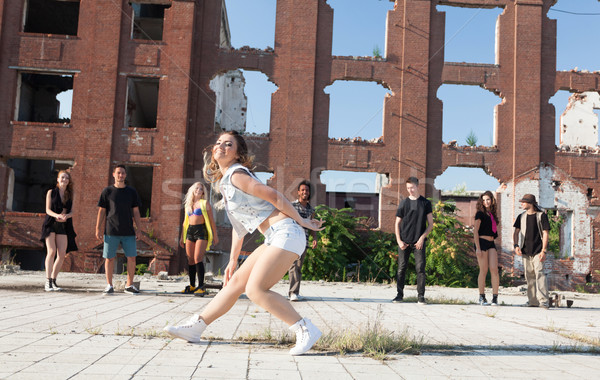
[[403, 256]]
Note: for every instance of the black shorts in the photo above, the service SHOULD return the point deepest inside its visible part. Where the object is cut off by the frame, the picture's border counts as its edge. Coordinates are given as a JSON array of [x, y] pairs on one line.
[[58, 228], [197, 232], [485, 245]]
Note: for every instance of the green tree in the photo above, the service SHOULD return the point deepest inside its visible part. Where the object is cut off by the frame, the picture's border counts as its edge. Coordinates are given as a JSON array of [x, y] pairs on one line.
[[472, 138], [376, 51]]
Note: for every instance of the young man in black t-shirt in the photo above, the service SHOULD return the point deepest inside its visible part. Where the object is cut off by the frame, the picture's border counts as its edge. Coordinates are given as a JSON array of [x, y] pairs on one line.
[[414, 221], [530, 239], [119, 206]]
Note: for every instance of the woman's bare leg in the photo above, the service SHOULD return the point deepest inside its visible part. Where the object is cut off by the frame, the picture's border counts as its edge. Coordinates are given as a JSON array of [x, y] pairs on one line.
[[269, 268], [200, 250], [493, 264], [482, 260], [50, 253], [61, 251], [190, 247], [228, 296]]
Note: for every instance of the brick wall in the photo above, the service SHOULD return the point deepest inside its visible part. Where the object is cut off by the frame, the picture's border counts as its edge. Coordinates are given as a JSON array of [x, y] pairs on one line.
[[103, 55]]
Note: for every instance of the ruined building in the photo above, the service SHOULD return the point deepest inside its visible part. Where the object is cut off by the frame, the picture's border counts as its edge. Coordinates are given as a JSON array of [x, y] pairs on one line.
[[141, 74]]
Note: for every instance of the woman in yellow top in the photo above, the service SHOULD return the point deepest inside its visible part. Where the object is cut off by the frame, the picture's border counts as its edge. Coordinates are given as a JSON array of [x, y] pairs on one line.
[[198, 233]]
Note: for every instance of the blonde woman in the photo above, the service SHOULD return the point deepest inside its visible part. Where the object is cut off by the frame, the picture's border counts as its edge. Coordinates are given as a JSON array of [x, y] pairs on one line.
[[57, 231], [252, 205], [198, 233]]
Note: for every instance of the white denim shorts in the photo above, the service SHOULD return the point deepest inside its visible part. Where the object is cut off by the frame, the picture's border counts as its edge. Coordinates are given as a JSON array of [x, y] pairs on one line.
[[286, 234]]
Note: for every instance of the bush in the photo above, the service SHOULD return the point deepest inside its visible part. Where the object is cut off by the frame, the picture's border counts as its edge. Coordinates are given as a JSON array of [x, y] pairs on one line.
[[140, 269], [348, 250], [448, 246]]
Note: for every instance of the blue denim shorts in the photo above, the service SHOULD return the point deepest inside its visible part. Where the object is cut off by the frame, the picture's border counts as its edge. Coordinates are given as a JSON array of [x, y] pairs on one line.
[[286, 234], [111, 243]]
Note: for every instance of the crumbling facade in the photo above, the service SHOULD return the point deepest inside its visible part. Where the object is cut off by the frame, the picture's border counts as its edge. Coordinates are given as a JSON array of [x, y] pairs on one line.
[[104, 61]]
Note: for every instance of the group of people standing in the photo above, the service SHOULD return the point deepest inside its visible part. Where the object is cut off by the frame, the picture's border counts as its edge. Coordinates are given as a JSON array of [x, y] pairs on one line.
[[414, 222], [252, 205]]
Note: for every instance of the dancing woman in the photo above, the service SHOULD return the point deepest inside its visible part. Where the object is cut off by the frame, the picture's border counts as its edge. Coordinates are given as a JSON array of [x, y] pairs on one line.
[[252, 205]]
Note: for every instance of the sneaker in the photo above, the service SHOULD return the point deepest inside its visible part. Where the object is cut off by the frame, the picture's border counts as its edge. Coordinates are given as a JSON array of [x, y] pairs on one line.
[[527, 304], [189, 289], [421, 300], [307, 335], [545, 305], [200, 292], [494, 300], [398, 299], [483, 301], [294, 297], [109, 289], [48, 286], [55, 287], [191, 330], [131, 289]]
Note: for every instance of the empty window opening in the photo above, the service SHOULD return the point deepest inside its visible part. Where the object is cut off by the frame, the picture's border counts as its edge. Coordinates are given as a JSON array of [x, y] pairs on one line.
[[29, 181], [469, 117], [577, 119], [251, 23], [140, 178], [575, 21], [142, 102], [243, 101], [52, 17], [264, 177], [357, 190], [30, 259], [148, 20], [463, 186], [356, 110], [39, 99], [462, 180], [359, 27], [231, 104], [470, 34]]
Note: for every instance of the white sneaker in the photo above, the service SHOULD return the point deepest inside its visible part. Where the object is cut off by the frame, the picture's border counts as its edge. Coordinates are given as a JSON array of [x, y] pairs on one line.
[[294, 297], [48, 287], [307, 335], [191, 330]]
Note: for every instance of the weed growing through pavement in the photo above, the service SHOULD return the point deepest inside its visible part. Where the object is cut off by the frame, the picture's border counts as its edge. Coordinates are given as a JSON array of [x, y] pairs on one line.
[[267, 335], [372, 340], [94, 330], [152, 333], [127, 331], [490, 313]]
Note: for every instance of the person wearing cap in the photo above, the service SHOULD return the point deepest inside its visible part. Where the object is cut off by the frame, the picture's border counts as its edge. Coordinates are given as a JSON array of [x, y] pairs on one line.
[[530, 239]]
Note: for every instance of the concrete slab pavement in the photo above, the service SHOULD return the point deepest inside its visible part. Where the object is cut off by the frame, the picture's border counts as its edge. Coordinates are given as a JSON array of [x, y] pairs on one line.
[[79, 333]]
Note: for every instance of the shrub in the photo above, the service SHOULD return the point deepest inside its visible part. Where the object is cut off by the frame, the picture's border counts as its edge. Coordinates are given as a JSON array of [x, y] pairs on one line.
[[348, 250]]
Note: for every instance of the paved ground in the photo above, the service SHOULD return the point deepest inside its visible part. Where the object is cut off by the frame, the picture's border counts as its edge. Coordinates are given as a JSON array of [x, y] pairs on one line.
[[79, 333]]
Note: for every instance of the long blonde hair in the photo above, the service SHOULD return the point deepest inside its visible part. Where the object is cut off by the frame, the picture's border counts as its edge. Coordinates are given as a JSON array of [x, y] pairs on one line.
[[189, 200], [211, 168], [69, 189]]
